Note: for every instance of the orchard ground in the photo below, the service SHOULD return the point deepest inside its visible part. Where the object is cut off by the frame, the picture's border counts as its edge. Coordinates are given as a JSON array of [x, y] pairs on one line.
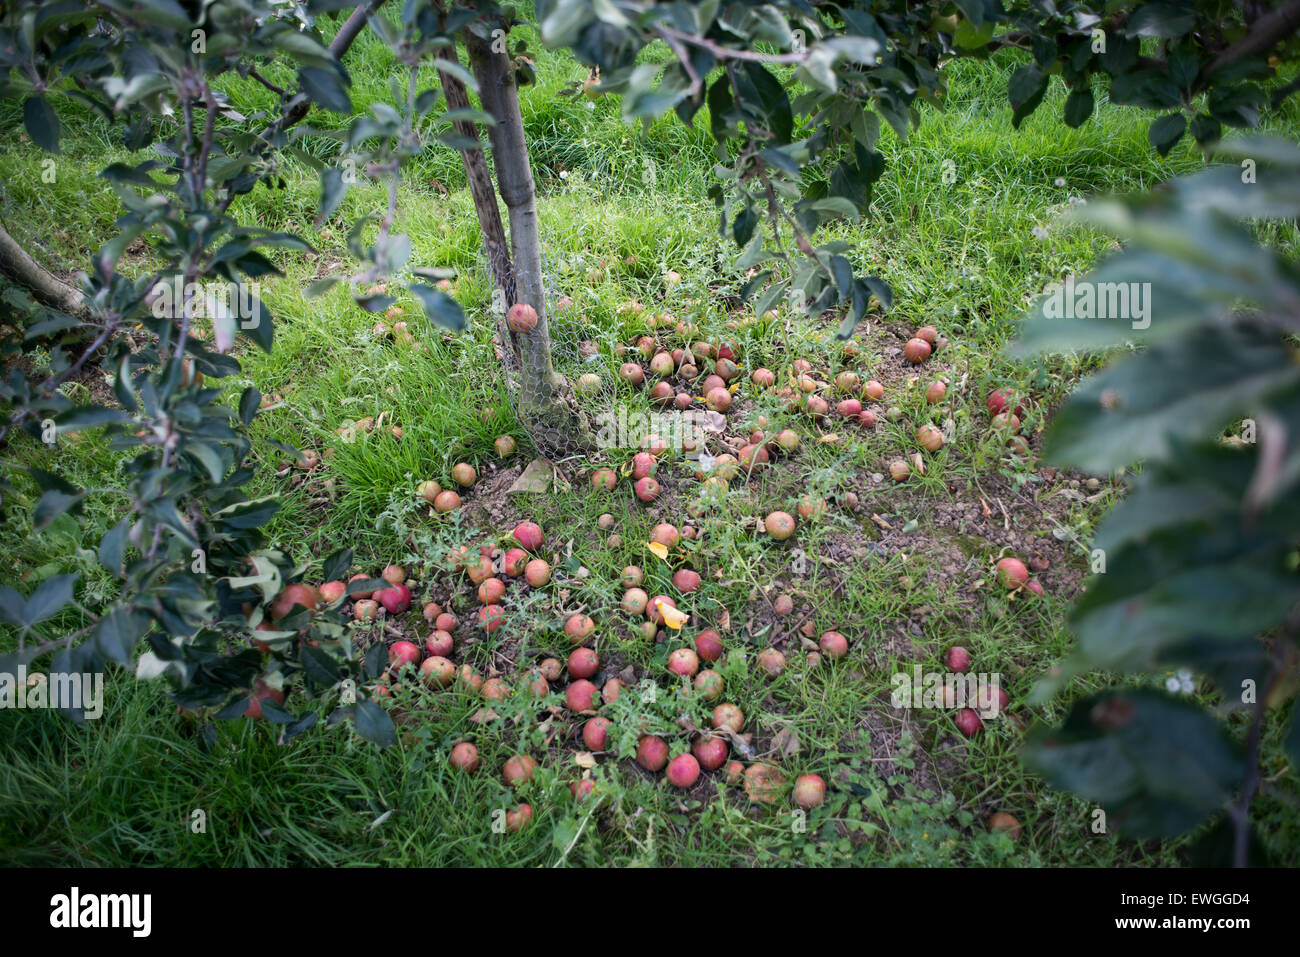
[[964, 230]]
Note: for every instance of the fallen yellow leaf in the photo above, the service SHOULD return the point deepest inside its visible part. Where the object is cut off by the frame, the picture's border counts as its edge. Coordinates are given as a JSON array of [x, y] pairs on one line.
[[673, 617], [659, 549]]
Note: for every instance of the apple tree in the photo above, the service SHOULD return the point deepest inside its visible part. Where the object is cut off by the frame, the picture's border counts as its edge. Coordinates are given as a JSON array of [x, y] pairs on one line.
[[796, 95]]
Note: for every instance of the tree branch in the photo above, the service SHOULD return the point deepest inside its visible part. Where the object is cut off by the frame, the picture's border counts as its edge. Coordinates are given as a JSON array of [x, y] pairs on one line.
[[48, 289]]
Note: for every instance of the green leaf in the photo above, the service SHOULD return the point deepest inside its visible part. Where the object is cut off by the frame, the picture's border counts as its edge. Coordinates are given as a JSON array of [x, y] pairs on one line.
[[89, 417], [1160, 20], [1179, 388], [208, 457], [880, 289], [42, 123], [742, 228], [11, 607], [325, 88], [118, 633], [52, 504], [1206, 129], [337, 565], [374, 724], [251, 514], [1155, 597], [375, 661], [49, 598], [1217, 847], [332, 190], [112, 547], [1165, 132], [566, 20], [1158, 765], [440, 308], [321, 667], [1078, 107], [1146, 88], [249, 402], [1025, 91]]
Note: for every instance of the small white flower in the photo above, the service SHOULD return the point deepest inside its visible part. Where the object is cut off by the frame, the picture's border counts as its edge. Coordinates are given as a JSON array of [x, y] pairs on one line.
[[1185, 682], [1060, 181], [564, 174], [1171, 684], [1040, 233], [1078, 201]]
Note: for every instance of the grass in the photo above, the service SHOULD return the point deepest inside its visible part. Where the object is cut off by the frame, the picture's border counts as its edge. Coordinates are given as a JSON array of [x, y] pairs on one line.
[[136, 786]]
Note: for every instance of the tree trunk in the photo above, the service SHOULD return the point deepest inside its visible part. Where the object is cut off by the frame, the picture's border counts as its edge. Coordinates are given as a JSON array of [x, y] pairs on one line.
[[495, 247], [553, 423], [46, 288]]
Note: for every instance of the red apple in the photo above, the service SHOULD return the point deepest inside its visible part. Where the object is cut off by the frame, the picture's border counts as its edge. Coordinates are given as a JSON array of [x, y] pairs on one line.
[[683, 771], [711, 751], [652, 753], [809, 791]]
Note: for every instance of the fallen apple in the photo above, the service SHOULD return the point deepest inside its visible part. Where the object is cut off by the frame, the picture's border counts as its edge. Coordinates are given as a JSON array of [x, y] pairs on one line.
[[708, 645], [464, 757], [929, 437], [833, 644], [1004, 822], [652, 753], [763, 783], [647, 489], [728, 717], [779, 525], [528, 535], [684, 662], [581, 695], [579, 628], [292, 596], [771, 661], [1011, 572], [968, 722], [685, 580], [437, 672], [514, 562], [537, 573], [634, 601], [683, 771], [916, 351], [489, 618], [395, 599], [595, 734], [809, 791], [710, 751], [439, 643], [403, 653], [957, 659], [583, 663], [491, 591], [518, 770], [519, 818], [709, 684]]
